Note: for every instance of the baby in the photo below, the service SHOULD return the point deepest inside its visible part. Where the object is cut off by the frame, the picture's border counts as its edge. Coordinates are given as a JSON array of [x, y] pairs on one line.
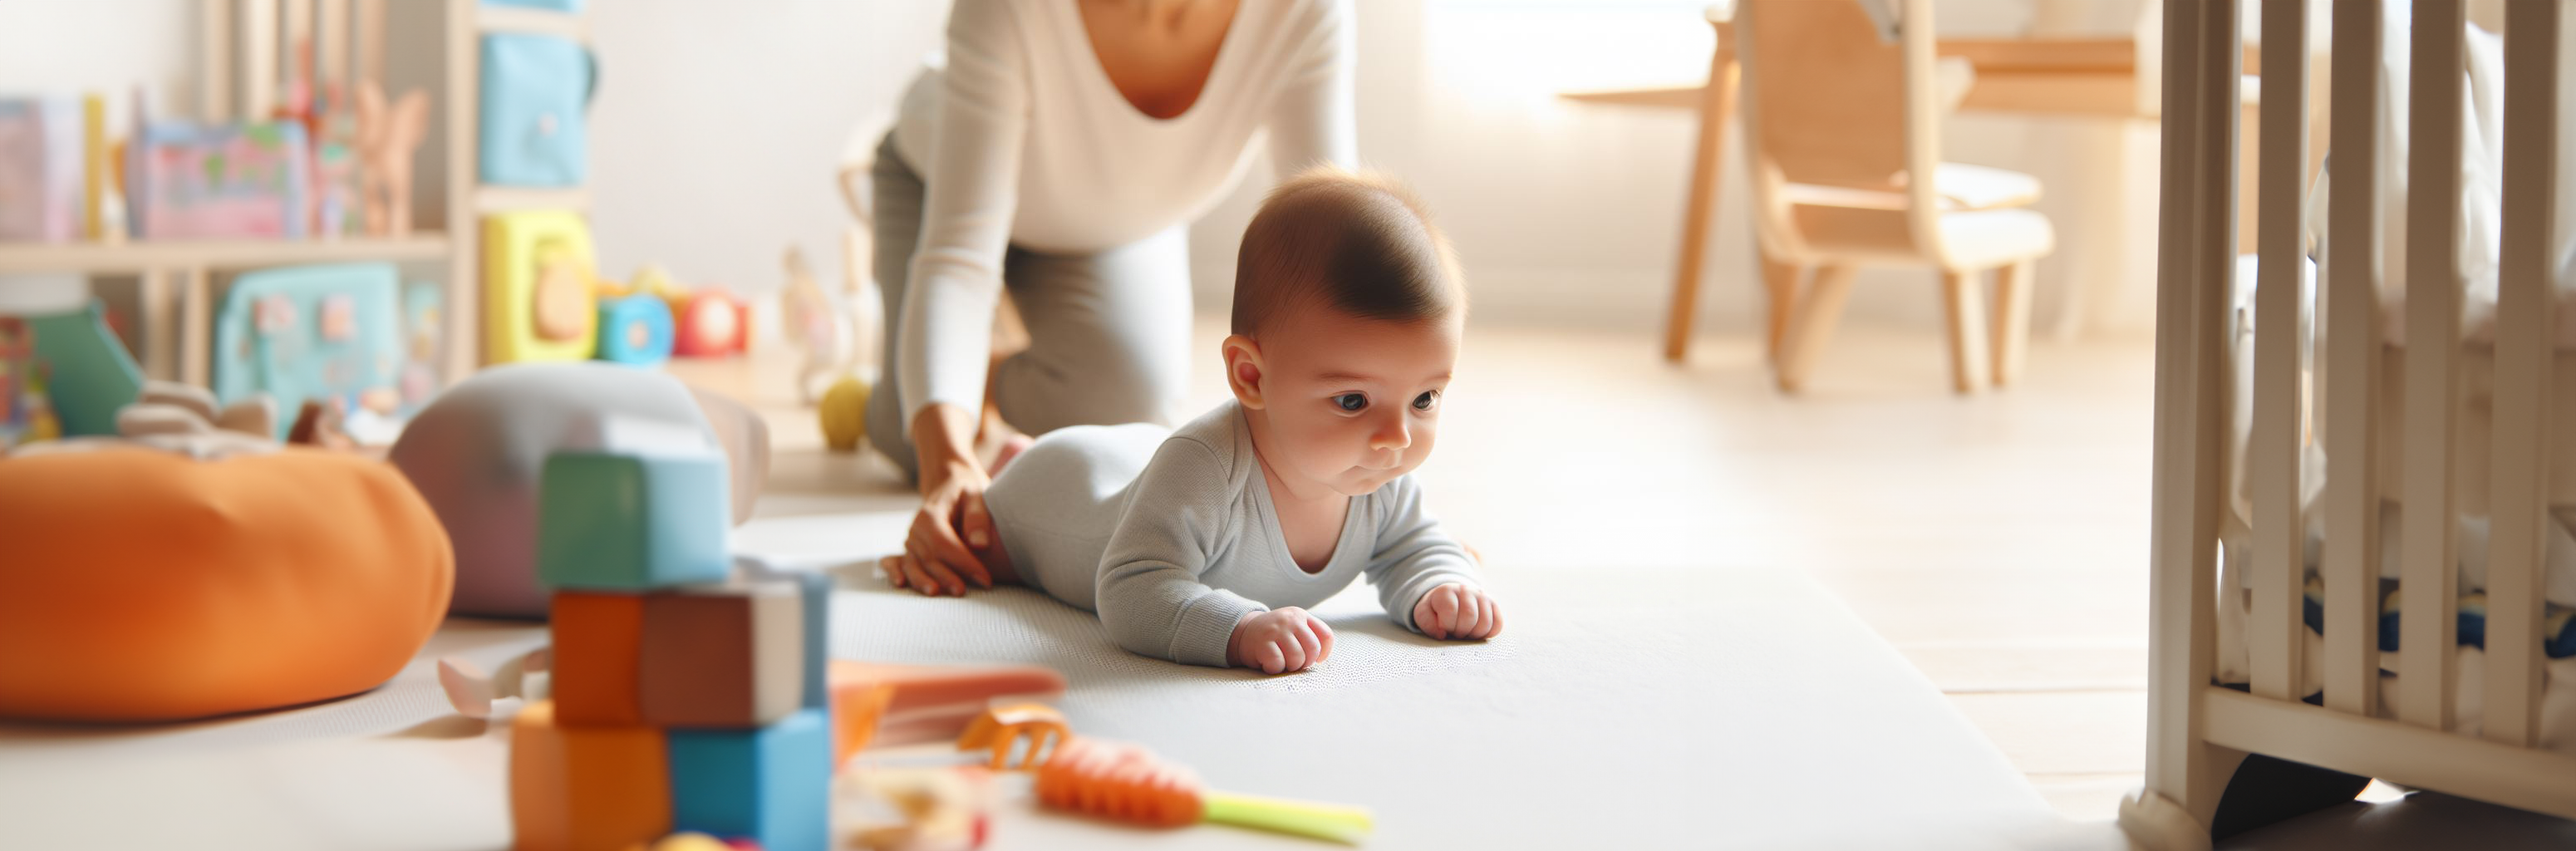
[[1205, 545]]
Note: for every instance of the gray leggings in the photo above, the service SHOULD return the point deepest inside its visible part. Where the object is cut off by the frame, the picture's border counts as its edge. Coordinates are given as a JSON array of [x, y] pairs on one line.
[[1109, 332]]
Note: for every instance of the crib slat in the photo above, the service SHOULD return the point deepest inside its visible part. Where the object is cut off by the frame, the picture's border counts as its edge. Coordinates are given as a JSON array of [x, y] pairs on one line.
[[2524, 313], [2272, 452], [2429, 575], [2351, 370], [2195, 242]]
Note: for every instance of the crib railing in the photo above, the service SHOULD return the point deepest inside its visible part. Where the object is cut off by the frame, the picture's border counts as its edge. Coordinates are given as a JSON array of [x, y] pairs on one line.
[[2199, 733]]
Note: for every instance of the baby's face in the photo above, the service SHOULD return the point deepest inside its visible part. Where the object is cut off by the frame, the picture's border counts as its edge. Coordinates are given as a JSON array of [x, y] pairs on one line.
[[1352, 403]]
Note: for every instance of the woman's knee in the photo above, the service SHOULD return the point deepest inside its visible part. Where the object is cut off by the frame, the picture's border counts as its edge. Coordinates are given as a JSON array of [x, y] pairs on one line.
[[1108, 387]]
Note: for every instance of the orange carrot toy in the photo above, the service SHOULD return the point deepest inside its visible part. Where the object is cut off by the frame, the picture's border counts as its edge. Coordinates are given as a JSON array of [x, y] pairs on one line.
[[1126, 783]]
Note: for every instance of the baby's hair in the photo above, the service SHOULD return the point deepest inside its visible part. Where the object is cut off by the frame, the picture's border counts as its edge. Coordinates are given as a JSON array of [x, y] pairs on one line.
[[1361, 242]]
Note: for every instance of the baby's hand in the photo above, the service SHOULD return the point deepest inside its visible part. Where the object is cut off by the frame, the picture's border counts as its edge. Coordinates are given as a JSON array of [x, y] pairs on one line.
[[1458, 611], [1279, 641]]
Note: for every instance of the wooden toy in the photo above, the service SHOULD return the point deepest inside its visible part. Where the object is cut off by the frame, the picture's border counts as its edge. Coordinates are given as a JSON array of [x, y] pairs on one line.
[[1001, 728], [771, 784], [633, 522], [538, 287], [942, 808], [712, 323], [578, 788], [844, 415], [726, 656], [635, 330], [1129, 784], [387, 135], [935, 703], [829, 335], [599, 636]]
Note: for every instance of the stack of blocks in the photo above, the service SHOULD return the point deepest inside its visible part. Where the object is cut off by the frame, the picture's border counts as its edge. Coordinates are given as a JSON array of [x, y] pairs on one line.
[[685, 698]]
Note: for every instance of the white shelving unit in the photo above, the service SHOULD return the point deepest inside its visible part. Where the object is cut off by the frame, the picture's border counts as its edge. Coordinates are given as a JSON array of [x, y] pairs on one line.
[[238, 46]]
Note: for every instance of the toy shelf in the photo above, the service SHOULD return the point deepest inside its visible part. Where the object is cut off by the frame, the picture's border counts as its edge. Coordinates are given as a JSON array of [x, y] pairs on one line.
[[147, 255], [538, 21], [504, 199]]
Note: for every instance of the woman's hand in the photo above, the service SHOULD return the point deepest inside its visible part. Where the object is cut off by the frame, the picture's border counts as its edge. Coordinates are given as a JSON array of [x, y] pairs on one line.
[[1457, 611], [1279, 641], [952, 522]]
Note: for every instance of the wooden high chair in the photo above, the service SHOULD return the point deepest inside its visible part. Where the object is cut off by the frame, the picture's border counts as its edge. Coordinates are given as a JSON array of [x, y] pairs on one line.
[[1838, 119]]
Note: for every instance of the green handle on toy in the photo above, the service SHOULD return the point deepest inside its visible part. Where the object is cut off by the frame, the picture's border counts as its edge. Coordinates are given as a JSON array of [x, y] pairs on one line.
[[1335, 822]]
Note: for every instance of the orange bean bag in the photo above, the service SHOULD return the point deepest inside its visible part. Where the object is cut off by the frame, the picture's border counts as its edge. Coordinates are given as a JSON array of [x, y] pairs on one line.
[[143, 585]]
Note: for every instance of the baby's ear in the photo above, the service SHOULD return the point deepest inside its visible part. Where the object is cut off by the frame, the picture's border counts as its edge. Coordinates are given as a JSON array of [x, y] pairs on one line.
[[1243, 370]]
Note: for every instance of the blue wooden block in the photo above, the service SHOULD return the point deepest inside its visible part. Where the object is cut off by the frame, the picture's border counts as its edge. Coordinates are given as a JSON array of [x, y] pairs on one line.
[[635, 330], [771, 784], [633, 522]]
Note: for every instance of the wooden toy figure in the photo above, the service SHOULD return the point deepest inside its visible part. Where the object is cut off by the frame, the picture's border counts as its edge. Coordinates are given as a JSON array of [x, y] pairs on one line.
[[387, 135]]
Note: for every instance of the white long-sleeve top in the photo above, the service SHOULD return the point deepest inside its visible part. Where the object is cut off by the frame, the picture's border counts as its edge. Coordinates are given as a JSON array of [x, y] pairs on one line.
[[1021, 139]]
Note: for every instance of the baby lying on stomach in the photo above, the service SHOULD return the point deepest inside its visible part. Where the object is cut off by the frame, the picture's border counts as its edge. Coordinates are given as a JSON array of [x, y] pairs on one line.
[[1205, 545]]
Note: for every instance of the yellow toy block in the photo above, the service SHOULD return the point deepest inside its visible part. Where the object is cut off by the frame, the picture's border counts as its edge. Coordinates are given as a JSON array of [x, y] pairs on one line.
[[539, 301], [580, 788]]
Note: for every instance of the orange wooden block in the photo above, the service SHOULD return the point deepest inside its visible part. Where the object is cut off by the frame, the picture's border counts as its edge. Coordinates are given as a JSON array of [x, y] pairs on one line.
[[599, 638], [580, 788]]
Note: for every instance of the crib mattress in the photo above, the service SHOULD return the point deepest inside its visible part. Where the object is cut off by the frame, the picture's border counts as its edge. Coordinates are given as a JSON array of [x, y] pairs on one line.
[[1625, 708]]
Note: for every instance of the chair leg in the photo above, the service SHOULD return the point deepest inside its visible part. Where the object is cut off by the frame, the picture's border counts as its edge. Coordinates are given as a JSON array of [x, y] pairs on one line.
[[1816, 314], [1967, 314], [1780, 288], [2012, 320]]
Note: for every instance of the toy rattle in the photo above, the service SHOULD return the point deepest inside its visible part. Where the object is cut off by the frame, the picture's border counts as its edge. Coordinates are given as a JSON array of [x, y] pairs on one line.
[[1127, 783]]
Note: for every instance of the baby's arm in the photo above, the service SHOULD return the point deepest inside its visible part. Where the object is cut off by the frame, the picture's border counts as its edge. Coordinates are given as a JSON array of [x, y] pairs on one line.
[[1425, 579], [1150, 596]]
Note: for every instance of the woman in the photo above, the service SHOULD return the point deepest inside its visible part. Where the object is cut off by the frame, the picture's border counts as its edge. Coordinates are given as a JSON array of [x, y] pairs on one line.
[[1061, 153]]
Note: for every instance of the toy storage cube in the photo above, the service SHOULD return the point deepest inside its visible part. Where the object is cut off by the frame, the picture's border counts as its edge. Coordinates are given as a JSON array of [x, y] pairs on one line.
[[632, 522], [635, 330], [537, 300], [724, 656], [329, 333], [772, 784], [575, 788], [535, 91], [599, 641]]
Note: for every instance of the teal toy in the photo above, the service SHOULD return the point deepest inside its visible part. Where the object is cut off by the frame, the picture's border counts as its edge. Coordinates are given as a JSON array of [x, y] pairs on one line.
[[633, 522], [92, 376], [771, 784], [329, 332], [635, 330]]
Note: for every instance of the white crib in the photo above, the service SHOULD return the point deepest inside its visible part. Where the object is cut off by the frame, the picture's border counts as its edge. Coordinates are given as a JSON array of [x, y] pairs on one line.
[[2200, 733]]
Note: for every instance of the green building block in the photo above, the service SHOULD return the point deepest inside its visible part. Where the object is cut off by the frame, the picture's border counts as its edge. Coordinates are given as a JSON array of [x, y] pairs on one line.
[[633, 522]]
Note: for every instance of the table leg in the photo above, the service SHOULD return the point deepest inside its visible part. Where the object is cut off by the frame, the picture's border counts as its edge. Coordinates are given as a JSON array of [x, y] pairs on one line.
[[1717, 109]]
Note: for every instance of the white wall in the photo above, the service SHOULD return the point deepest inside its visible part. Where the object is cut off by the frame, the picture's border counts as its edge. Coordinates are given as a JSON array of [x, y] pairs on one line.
[[719, 127]]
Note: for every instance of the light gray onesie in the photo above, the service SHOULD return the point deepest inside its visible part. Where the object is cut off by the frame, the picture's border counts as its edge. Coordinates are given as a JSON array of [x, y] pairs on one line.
[[1171, 536]]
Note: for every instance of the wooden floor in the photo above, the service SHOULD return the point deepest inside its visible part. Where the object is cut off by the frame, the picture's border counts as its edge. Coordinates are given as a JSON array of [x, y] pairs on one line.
[[1999, 541]]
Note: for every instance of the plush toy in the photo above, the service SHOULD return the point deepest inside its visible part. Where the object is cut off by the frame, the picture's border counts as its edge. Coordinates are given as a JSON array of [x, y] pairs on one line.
[[387, 135], [476, 451], [194, 567]]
